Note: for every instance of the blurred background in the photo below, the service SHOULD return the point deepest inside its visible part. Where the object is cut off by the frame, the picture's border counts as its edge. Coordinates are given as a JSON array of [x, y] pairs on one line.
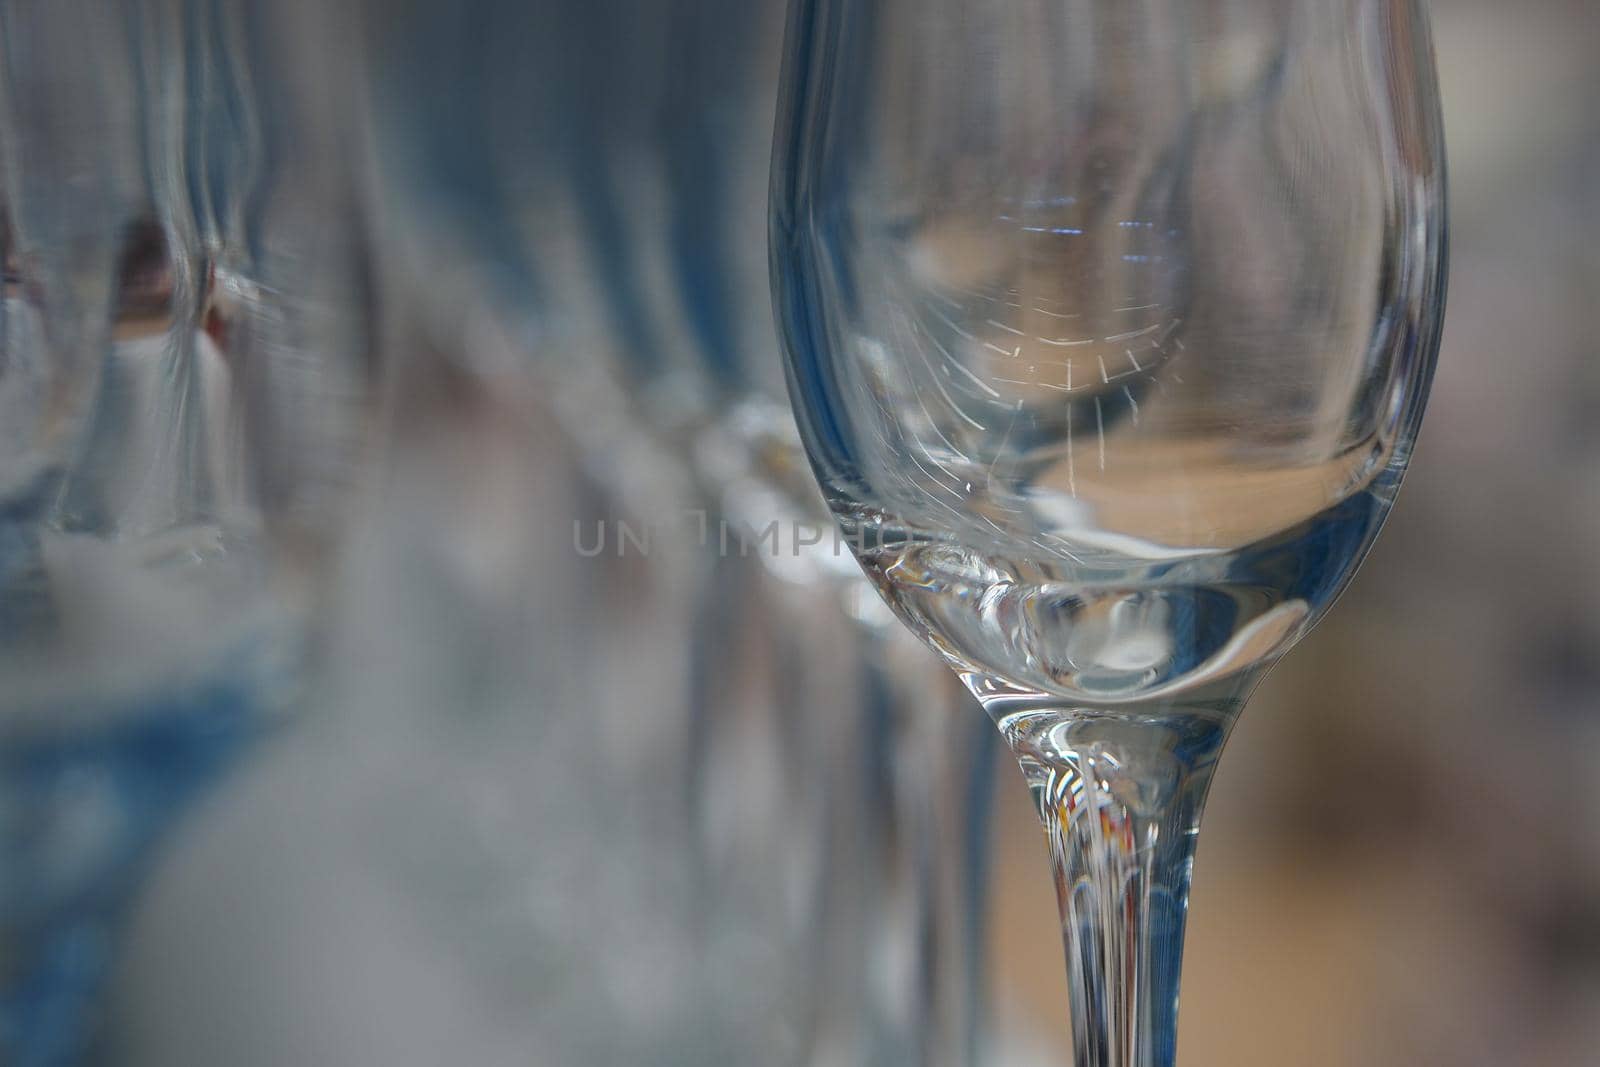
[[404, 693]]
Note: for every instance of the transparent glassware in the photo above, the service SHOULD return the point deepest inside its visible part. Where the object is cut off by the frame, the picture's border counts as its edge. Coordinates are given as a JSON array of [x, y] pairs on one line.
[[591, 178], [182, 356], [899, 976], [1109, 328]]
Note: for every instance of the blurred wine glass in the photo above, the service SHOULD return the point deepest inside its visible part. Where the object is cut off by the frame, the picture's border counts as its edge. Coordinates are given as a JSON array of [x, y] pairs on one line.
[[1109, 328], [579, 188], [181, 402]]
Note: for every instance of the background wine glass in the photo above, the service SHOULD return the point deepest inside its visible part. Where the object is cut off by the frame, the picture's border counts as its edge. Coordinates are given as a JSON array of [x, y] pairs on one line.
[[595, 204], [524, 340], [1109, 329], [180, 403]]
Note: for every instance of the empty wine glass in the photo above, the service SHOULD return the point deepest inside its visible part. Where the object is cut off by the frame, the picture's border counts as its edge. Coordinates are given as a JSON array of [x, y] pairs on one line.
[[1109, 327], [590, 179], [183, 359]]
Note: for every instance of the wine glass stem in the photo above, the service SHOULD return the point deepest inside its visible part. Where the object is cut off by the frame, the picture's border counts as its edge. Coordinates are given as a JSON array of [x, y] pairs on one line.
[[1120, 798]]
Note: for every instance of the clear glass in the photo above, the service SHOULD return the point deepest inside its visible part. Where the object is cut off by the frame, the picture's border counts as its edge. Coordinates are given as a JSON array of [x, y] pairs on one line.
[[182, 376], [593, 177], [1109, 328], [331, 334]]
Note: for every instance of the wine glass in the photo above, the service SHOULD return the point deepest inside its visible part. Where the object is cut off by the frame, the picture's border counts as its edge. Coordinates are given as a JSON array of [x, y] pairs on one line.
[[1109, 327], [181, 407], [898, 972], [590, 178]]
